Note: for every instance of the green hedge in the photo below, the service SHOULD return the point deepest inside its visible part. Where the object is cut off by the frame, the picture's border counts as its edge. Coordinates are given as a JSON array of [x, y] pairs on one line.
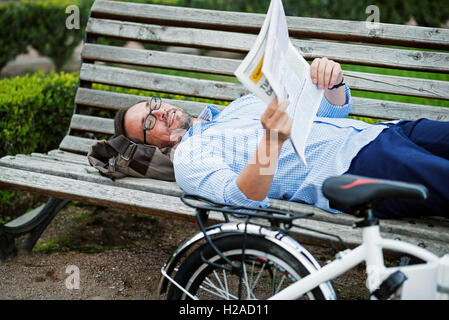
[[42, 25], [35, 111]]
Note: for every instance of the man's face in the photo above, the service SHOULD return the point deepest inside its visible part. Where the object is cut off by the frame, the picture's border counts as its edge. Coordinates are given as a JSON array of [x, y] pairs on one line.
[[171, 124]]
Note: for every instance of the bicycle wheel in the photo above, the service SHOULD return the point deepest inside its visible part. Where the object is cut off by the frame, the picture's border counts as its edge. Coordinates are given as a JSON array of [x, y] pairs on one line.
[[267, 269]]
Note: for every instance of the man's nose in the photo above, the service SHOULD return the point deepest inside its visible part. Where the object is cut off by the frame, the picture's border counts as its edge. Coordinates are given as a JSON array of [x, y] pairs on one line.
[[159, 114]]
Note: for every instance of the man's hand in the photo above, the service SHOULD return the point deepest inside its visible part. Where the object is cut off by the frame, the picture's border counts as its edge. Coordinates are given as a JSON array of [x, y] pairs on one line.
[[275, 118], [325, 73], [256, 179]]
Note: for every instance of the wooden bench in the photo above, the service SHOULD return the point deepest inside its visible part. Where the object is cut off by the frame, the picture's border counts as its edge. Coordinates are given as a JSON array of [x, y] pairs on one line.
[[65, 174]]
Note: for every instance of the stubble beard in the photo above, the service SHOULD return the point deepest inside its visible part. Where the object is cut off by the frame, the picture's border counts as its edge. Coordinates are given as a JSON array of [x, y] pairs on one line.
[[177, 134]]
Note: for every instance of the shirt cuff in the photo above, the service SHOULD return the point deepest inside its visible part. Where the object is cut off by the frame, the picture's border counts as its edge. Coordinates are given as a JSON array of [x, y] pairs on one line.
[[330, 110], [233, 195]]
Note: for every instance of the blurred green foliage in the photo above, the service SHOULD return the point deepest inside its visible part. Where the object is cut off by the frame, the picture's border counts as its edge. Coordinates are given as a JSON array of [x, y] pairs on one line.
[[35, 111], [42, 25]]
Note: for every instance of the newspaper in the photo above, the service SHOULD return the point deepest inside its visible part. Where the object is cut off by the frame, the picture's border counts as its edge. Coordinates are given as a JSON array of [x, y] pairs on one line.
[[274, 68]]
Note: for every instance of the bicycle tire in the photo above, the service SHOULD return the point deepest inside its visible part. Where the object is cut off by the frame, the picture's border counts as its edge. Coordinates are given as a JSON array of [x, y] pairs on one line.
[[193, 272]]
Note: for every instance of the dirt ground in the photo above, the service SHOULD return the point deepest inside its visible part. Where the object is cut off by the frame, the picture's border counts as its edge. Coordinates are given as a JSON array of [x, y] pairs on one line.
[[119, 256]]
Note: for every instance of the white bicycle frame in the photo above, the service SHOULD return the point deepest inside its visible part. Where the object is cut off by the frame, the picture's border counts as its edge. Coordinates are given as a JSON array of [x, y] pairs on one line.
[[426, 281]]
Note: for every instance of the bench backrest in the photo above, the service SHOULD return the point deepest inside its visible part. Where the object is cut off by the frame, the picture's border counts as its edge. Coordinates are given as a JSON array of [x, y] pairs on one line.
[[227, 37]]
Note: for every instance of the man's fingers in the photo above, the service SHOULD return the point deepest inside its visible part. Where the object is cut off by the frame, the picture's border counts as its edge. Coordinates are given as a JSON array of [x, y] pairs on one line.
[[325, 73], [314, 70], [284, 105], [271, 108], [321, 71], [287, 122], [274, 116], [279, 112], [336, 75], [328, 74]]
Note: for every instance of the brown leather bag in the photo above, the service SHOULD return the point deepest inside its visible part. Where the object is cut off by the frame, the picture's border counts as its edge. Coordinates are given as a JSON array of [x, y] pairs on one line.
[[119, 157]]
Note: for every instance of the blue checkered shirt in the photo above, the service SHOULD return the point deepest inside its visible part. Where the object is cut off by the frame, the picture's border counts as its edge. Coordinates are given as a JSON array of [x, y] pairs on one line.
[[212, 154]]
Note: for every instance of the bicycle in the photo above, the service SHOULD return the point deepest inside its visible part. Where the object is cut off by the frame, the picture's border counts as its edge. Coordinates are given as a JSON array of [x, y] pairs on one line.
[[255, 260]]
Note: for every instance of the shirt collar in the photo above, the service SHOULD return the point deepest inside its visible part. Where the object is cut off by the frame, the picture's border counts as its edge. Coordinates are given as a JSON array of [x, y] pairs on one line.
[[209, 113]]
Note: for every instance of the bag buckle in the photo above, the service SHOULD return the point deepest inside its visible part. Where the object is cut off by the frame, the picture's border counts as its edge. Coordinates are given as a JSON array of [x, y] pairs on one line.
[[129, 152]]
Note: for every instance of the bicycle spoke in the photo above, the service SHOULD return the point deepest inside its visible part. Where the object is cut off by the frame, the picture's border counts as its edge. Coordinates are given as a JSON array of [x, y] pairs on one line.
[[218, 292], [258, 276], [225, 279], [215, 293], [252, 271], [273, 281], [218, 280], [248, 289], [280, 283], [224, 294]]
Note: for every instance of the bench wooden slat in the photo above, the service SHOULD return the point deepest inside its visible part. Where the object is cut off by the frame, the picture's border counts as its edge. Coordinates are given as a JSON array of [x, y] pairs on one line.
[[163, 83], [363, 107], [356, 80], [46, 164], [62, 156], [391, 110], [223, 40], [298, 26], [115, 101], [76, 144], [92, 124], [162, 59], [95, 193], [408, 86]]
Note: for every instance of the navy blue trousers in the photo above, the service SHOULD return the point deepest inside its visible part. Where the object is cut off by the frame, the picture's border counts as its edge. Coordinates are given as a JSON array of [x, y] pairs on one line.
[[410, 151]]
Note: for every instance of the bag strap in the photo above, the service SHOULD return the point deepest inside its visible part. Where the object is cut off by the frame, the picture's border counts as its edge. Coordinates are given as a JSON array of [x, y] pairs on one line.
[[123, 145], [127, 148]]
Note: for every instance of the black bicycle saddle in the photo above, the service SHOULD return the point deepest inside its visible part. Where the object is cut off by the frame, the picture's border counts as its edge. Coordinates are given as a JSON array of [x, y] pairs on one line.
[[351, 191]]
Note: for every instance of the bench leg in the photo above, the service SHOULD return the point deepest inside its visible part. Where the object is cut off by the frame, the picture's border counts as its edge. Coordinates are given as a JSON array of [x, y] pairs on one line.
[[33, 223], [54, 206], [7, 245]]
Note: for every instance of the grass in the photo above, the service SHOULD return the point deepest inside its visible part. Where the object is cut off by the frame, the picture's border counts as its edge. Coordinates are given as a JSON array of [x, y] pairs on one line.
[[63, 244], [84, 216], [52, 245]]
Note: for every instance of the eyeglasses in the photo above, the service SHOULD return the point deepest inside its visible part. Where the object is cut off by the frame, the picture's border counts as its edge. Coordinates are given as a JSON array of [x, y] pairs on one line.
[[150, 120]]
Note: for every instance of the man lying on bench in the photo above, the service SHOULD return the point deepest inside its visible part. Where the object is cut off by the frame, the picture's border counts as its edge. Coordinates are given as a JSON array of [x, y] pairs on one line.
[[243, 155]]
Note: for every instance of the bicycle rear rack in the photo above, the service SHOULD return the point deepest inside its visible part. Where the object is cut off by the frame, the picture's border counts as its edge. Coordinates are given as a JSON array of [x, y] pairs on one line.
[[279, 220]]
